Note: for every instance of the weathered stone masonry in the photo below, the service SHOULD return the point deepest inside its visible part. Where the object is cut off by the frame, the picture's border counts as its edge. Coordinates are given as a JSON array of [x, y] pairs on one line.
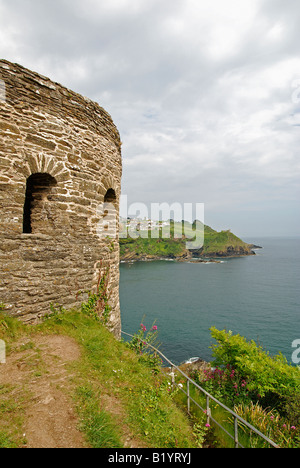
[[60, 159]]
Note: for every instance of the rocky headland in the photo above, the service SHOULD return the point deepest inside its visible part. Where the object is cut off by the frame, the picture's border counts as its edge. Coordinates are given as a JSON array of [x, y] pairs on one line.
[[217, 246]]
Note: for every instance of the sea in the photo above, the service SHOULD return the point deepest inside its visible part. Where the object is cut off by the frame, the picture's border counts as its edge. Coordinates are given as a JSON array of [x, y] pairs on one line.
[[257, 297]]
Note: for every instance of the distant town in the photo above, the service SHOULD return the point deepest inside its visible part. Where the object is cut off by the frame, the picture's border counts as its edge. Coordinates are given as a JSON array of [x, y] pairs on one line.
[[138, 224]]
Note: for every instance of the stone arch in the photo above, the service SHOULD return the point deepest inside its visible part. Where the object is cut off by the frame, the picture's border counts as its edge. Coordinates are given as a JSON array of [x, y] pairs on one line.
[[110, 190], [109, 182], [41, 163], [36, 215], [110, 196]]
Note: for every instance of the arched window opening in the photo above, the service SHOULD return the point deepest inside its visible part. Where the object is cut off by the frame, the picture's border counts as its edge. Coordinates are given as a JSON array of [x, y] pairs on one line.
[[110, 196], [110, 214], [38, 188]]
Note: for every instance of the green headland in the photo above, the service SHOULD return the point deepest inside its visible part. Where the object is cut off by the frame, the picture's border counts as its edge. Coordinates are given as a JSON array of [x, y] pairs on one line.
[[170, 242]]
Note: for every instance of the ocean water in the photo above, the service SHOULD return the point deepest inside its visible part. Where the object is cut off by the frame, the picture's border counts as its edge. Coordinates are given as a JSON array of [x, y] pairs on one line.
[[257, 297]]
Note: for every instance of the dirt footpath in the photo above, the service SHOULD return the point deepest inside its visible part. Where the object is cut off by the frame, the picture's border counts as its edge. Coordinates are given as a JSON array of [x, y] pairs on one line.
[[40, 370]]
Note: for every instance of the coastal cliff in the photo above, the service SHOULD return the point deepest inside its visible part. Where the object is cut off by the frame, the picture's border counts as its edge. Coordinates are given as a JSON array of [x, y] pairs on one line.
[[216, 245]]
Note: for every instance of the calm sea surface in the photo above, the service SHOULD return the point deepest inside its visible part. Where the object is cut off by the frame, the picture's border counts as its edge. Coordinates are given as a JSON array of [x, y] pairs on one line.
[[257, 297]]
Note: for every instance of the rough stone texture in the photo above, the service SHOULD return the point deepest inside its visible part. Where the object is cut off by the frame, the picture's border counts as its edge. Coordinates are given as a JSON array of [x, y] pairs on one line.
[[60, 155]]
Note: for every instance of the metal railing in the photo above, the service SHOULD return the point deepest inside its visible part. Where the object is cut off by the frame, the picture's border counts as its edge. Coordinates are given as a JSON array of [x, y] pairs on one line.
[[207, 410]]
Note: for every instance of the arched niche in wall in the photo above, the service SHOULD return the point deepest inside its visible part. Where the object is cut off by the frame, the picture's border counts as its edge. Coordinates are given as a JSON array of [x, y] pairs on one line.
[[110, 196], [38, 215], [110, 222]]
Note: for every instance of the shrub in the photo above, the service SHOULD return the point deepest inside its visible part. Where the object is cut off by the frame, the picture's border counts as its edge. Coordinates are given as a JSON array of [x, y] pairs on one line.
[[225, 384], [270, 380]]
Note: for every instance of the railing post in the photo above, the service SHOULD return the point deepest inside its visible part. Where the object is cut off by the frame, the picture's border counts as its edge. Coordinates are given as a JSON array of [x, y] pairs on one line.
[[188, 396], [207, 409], [236, 433], [173, 377]]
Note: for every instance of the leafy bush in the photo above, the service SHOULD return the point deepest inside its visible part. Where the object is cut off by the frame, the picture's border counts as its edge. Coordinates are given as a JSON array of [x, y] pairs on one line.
[[291, 410], [262, 389], [224, 384], [270, 380]]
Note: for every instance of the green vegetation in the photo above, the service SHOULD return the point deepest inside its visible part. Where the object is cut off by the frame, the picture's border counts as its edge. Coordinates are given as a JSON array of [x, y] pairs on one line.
[[97, 424], [12, 405], [12, 400], [115, 392], [140, 344], [222, 243], [171, 243], [158, 248], [262, 389], [97, 305], [269, 378], [120, 389]]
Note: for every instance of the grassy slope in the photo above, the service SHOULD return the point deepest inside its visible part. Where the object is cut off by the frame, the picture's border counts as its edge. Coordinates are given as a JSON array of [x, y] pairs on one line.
[[215, 244], [107, 369], [152, 248], [221, 241]]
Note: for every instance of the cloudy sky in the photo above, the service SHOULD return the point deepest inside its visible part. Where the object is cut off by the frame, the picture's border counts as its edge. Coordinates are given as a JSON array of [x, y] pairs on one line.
[[206, 96]]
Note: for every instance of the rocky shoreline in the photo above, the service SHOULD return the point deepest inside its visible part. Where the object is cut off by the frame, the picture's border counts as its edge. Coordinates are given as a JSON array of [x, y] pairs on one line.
[[192, 257], [149, 258], [166, 259], [216, 247]]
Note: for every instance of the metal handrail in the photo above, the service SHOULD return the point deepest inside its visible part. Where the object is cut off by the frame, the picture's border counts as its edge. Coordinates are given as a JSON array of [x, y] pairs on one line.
[[209, 397]]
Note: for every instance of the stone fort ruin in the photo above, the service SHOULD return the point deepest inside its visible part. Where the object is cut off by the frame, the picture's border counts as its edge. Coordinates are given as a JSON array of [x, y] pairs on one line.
[[60, 160]]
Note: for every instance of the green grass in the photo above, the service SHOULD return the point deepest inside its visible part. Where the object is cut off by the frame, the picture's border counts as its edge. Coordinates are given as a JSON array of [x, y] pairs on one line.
[[12, 407], [221, 241], [215, 243], [116, 370], [153, 247], [97, 424], [107, 371]]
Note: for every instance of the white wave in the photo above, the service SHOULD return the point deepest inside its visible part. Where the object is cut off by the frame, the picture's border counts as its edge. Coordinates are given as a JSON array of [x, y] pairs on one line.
[[191, 360]]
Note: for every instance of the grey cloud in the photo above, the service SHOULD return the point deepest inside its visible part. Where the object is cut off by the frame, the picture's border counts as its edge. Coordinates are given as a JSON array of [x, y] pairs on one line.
[[197, 124]]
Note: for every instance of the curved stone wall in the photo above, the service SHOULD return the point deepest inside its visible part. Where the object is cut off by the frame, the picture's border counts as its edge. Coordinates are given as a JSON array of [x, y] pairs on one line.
[[60, 160]]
